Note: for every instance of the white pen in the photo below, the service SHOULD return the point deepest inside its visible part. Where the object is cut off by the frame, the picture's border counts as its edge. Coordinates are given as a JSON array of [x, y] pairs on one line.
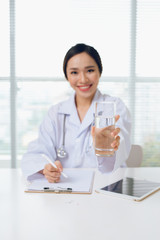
[[53, 164]]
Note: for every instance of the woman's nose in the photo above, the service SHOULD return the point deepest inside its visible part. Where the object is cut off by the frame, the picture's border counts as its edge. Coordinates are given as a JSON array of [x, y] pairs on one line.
[[83, 78]]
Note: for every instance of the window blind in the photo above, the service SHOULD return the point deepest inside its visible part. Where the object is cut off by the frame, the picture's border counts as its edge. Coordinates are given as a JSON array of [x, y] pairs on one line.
[[147, 99], [125, 33]]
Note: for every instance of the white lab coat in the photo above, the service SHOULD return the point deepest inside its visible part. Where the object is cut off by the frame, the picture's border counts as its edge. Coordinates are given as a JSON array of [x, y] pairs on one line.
[[78, 139]]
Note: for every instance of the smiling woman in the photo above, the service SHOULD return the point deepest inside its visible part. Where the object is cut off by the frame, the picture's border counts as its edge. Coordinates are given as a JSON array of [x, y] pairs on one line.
[[82, 69], [83, 75]]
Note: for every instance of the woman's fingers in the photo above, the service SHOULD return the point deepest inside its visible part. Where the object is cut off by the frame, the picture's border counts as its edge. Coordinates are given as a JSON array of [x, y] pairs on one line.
[[51, 173], [93, 134], [50, 168], [115, 132], [93, 131], [116, 143], [117, 118], [59, 165], [52, 179]]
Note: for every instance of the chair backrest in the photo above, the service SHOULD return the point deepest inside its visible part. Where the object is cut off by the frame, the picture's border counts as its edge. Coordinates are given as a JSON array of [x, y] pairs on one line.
[[135, 157]]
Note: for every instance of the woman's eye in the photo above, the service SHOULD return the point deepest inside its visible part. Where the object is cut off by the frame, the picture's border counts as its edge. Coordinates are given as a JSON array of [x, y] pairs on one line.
[[90, 70], [74, 72]]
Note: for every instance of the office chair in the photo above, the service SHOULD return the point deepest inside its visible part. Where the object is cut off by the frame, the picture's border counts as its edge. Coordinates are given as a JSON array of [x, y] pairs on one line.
[[135, 157]]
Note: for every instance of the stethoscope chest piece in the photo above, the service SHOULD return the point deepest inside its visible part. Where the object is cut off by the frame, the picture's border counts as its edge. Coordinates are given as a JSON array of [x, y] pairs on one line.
[[61, 153]]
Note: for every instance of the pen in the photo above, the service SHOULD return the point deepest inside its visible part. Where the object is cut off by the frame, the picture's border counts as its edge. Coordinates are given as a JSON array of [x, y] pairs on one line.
[[53, 164]]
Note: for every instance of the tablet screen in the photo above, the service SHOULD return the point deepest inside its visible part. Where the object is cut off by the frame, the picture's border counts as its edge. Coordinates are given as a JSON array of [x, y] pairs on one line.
[[132, 187]]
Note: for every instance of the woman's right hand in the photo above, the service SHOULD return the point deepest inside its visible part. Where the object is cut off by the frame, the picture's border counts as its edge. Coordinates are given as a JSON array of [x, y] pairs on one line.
[[53, 174]]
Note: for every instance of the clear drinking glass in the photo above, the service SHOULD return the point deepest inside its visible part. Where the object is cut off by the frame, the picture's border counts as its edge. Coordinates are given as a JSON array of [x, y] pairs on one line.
[[104, 125]]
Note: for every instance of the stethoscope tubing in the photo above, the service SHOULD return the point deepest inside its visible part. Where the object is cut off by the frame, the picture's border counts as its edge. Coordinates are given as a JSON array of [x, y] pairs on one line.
[[61, 152]]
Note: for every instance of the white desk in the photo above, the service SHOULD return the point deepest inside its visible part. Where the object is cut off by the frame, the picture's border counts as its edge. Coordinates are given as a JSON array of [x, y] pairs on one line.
[[37, 216]]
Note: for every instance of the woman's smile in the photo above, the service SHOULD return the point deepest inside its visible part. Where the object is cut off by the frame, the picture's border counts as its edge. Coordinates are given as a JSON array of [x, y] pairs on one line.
[[83, 75], [85, 88]]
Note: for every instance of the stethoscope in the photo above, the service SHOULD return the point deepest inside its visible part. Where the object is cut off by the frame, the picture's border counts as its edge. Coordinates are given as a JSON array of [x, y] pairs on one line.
[[61, 152]]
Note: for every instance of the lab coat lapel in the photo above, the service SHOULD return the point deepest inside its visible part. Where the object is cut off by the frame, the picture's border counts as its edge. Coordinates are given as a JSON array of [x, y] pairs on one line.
[[88, 119], [69, 108], [74, 118]]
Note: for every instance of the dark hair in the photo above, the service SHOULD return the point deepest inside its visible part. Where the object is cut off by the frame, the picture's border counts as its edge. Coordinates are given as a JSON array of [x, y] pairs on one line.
[[79, 48]]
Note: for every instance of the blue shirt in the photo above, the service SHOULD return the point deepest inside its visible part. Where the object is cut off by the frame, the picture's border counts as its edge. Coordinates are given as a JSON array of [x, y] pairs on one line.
[[78, 139]]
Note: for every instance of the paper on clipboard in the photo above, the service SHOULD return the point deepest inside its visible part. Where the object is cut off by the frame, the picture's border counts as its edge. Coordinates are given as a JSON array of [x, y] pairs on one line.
[[79, 180]]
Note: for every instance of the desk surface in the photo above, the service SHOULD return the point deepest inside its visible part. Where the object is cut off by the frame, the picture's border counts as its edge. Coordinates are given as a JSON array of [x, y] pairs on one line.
[[27, 216]]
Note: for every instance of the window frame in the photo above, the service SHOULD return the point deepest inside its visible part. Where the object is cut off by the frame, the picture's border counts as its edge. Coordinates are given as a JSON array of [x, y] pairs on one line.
[[13, 79]]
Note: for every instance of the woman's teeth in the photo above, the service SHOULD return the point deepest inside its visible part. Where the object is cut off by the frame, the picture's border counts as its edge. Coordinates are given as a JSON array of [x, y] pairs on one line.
[[85, 87]]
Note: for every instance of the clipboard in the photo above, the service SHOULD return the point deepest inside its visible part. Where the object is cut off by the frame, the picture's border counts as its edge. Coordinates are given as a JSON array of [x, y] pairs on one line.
[[79, 181]]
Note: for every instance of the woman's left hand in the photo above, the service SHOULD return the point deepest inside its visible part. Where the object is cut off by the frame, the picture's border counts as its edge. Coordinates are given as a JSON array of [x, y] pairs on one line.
[[115, 144], [115, 133]]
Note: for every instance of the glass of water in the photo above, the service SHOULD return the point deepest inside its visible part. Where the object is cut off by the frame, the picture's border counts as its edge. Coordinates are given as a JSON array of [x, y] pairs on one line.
[[104, 125]]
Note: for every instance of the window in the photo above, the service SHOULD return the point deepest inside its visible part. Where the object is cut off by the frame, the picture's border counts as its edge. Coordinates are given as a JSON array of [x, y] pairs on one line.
[[35, 37], [5, 146]]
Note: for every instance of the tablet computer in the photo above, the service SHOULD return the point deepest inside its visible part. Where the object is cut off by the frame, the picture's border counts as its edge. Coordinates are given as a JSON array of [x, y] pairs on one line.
[[130, 188]]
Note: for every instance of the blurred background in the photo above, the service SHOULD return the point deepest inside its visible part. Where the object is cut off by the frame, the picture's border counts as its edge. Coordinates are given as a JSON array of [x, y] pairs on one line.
[[35, 36]]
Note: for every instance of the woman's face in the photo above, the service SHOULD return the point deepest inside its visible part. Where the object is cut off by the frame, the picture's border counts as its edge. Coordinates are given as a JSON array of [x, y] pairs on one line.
[[83, 75]]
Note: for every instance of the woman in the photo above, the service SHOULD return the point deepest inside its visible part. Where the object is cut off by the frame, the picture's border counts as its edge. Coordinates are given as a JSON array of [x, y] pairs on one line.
[[74, 118]]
